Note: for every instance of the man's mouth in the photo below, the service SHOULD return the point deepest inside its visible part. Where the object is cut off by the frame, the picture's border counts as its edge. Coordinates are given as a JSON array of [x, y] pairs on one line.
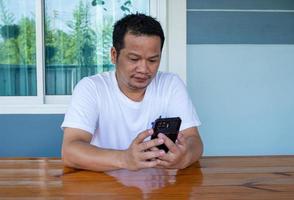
[[141, 78]]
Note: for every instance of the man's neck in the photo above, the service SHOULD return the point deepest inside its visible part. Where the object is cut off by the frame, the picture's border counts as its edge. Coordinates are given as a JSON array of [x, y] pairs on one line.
[[135, 95]]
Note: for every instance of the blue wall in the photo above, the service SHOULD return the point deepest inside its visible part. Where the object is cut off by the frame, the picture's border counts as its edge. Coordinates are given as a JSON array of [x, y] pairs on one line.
[[241, 75], [30, 135]]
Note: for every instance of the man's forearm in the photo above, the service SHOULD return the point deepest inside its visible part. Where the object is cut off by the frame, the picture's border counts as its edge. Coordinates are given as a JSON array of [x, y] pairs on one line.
[[82, 155]]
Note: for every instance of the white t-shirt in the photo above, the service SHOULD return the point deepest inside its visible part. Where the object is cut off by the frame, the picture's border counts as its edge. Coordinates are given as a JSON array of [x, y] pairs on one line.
[[100, 108]]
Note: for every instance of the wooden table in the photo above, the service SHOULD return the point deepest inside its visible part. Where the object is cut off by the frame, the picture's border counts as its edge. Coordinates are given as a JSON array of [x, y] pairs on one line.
[[211, 178]]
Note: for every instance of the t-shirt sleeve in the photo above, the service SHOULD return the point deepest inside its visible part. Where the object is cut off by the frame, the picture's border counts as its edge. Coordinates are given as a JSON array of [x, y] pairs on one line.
[[83, 110], [181, 105]]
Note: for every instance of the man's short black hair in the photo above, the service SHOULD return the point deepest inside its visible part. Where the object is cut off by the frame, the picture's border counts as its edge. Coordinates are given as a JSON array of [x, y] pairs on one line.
[[136, 24]]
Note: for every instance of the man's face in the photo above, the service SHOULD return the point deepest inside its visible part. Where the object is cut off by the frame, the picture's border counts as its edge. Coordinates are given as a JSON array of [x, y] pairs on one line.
[[138, 62]]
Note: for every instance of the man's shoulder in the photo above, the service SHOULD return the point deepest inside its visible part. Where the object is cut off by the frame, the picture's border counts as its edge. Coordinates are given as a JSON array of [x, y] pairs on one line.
[[165, 74], [104, 76], [166, 78], [97, 82], [102, 80]]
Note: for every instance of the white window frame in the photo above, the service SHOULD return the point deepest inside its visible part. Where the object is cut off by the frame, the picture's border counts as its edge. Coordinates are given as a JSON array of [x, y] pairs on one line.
[[170, 13]]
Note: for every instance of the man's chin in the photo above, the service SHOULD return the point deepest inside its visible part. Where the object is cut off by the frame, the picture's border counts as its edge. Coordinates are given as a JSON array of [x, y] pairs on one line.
[[139, 86]]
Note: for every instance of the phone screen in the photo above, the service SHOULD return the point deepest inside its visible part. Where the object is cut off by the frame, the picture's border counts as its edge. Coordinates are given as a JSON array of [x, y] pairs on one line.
[[168, 126]]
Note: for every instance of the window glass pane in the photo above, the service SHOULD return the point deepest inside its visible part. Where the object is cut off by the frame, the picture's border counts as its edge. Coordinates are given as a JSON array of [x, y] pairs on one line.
[[17, 48], [78, 37]]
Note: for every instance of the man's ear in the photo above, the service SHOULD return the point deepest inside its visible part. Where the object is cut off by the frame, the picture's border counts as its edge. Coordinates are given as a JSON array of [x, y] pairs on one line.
[[113, 54]]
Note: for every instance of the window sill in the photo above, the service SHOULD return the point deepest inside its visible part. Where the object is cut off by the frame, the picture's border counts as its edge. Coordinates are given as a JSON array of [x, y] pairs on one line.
[[33, 109]]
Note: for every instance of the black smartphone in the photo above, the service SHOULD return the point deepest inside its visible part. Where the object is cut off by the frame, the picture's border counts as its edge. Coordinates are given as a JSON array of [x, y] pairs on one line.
[[168, 126]]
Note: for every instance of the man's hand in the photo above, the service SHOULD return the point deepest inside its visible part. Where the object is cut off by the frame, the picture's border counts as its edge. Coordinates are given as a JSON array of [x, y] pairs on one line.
[[174, 158], [187, 149], [139, 155]]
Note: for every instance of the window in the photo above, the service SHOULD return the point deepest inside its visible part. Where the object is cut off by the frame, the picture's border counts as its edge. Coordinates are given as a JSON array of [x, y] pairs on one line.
[[47, 46], [17, 49], [78, 37]]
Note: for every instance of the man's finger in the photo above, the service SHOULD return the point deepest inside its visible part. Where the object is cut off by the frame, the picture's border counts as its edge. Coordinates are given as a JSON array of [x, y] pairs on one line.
[[149, 164], [169, 143], [149, 155], [163, 163], [168, 157], [181, 140], [151, 143], [154, 148], [141, 137]]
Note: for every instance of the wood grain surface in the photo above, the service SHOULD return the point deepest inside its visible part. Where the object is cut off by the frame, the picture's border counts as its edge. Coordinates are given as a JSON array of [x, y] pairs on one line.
[[270, 177]]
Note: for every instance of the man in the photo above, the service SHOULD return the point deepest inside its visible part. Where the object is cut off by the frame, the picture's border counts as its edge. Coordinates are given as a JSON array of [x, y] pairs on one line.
[[108, 123]]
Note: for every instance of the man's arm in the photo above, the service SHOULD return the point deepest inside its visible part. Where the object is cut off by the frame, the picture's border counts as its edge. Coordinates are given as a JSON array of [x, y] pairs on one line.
[[187, 150], [77, 152]]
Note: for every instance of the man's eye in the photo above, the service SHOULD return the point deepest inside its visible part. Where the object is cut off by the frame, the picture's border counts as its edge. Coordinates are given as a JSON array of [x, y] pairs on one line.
[[134, 59], [152, 61]]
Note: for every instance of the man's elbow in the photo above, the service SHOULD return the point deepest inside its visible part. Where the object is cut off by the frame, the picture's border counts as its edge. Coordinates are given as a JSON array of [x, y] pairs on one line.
[[199, 150], [66, 157]]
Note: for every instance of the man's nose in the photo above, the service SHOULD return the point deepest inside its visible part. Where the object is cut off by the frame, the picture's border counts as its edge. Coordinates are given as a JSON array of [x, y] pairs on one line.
[[142, 66]]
